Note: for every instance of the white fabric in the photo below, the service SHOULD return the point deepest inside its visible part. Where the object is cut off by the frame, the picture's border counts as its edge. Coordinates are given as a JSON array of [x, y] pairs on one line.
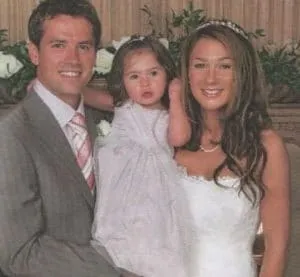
[[137, 194], [223, 226]]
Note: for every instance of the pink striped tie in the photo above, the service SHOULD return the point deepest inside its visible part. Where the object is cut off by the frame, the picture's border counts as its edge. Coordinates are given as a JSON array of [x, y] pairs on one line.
[[83, 148]]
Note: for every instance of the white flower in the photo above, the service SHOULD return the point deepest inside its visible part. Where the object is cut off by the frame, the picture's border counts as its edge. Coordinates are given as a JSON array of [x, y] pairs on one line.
[[9, 65], [164, 42], [117, 44], [103, 61], [103, 128]]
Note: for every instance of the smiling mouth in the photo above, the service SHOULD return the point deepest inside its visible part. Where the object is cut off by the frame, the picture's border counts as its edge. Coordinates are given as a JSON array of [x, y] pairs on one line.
[[71, 74], [211, 92]]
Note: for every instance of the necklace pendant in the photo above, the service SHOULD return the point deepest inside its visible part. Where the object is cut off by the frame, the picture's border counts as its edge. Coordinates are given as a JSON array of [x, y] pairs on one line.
[[205, 150]]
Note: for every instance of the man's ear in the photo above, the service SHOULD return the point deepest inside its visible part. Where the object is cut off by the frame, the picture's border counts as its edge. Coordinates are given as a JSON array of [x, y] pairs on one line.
[[33, 52]]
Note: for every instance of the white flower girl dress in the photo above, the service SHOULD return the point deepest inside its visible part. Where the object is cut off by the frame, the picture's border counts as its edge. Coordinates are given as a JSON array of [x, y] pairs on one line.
[[138, 196]]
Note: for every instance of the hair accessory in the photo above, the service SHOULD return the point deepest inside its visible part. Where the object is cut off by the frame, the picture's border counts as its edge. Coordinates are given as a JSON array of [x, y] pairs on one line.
[[118, 44], [226, 23]]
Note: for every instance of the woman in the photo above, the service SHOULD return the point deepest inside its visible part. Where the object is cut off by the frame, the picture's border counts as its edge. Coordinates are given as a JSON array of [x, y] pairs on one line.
[[235, 168]]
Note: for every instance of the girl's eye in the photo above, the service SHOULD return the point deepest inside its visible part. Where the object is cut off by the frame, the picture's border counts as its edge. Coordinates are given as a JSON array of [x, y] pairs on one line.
[[133, 77], [153, 73]]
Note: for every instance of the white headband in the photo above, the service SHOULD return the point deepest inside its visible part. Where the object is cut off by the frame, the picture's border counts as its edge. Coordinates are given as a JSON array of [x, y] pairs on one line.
[[226, 23], [118, 44]]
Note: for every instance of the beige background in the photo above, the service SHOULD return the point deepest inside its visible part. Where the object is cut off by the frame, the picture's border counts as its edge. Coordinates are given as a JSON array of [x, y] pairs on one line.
[[279, 18]]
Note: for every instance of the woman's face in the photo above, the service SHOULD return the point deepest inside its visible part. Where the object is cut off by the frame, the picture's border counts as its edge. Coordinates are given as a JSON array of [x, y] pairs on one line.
[[211, 74]]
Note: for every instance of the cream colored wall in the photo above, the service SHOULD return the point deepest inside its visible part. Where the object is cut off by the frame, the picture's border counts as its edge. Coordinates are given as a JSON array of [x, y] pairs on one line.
[[14, 16], [279, 18]]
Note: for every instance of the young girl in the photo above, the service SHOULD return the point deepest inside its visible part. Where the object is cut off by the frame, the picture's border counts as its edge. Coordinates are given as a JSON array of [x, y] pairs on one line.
[[137, 204]]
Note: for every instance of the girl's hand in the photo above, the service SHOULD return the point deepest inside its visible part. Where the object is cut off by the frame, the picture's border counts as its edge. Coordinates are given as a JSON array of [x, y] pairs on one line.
[[175, 91], [179, 129]]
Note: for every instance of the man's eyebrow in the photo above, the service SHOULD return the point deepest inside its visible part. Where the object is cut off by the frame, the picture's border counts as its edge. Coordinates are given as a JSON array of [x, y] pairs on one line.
[[90, 42], [57, 41]]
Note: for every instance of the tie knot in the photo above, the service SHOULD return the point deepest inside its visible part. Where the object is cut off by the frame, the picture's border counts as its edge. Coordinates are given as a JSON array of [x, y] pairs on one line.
[[78, 119], [77, 124]]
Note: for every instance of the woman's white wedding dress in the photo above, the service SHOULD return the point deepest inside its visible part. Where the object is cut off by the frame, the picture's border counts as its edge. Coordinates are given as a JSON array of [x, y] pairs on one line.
[[223, 225]]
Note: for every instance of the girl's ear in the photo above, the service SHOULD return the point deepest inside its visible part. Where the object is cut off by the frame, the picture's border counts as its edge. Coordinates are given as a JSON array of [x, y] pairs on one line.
[[33, 52]]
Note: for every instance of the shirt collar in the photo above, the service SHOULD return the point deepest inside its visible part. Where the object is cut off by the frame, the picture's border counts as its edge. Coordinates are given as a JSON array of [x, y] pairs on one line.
[[62, 111]]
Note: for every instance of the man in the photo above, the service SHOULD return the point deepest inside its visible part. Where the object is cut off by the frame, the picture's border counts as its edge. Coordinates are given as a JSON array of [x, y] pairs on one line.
[[46, 198]]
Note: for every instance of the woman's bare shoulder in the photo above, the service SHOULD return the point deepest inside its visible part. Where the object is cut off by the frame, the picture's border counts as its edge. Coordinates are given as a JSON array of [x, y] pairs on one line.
[[276, 173], [273, 142]]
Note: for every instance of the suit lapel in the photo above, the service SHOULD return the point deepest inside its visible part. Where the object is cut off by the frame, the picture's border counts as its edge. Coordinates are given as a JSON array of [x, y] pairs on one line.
[[54, 143]]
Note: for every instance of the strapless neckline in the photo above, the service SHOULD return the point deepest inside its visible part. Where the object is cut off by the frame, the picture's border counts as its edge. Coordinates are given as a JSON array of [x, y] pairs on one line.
[[200, 178], [221, 227]]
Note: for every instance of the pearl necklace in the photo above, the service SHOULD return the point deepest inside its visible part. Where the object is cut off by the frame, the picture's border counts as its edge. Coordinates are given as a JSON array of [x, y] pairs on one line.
[[205, 150]]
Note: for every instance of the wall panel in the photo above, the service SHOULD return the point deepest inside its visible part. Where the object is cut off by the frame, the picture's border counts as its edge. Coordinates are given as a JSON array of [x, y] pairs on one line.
[[14, 15], [279, 18]]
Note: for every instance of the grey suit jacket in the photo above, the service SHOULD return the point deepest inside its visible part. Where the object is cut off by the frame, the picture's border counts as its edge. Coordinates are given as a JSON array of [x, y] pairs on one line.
[[46, 208]]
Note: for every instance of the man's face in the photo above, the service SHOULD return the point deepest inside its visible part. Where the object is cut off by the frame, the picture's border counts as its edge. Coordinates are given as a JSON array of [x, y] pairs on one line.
[[65, 56]]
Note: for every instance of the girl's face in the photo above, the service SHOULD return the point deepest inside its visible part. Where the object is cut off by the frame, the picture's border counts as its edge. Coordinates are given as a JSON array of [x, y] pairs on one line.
[[144, 78], [211, 74]]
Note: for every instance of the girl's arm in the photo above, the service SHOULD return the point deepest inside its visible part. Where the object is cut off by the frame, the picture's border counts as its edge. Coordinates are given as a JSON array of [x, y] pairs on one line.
[[275, 213], [179, 130], [99, 99]]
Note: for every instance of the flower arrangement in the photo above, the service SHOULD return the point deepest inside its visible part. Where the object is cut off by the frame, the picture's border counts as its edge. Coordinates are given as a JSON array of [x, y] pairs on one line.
[[16, 70], [105, 56], [281, 66], [9, 65]]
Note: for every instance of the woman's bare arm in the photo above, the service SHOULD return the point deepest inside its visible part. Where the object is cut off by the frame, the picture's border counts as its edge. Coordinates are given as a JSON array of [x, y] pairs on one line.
[[275, 211]]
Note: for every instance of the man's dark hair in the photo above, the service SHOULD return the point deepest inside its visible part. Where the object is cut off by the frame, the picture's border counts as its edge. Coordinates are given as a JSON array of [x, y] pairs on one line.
[[49, 9]]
